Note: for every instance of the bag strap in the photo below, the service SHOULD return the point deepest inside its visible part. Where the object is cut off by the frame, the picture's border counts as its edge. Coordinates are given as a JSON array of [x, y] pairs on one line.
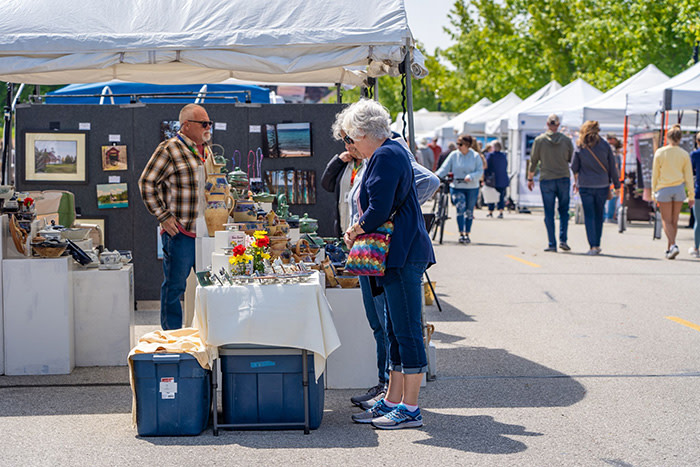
[[597, 160]]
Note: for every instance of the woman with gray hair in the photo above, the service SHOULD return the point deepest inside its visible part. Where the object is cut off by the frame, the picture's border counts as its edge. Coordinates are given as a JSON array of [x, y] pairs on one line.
[[387, 188]]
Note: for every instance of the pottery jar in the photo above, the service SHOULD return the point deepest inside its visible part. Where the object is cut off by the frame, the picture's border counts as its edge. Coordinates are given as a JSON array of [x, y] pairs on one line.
[[216, 215], [244, 210]]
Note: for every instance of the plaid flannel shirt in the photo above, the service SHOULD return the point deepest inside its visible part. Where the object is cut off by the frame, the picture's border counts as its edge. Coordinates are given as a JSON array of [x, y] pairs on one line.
[[168, 183]]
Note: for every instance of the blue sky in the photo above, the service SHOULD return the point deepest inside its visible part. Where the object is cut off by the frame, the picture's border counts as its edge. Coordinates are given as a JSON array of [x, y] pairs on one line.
[[426, 19]]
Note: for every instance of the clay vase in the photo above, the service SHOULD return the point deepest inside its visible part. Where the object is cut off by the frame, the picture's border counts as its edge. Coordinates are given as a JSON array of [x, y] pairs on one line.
[[244, 210], [277, 246], [216, 215], [216, 183]]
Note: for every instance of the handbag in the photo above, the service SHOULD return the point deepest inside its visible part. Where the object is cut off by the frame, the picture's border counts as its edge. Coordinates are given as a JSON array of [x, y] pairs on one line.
[[368, 254], [611, 191], [490, 179]]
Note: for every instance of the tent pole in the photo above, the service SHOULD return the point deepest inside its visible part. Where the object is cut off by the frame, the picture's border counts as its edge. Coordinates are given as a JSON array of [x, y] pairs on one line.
[[409, 98], [625, 135], [339, 95], [7, 134]]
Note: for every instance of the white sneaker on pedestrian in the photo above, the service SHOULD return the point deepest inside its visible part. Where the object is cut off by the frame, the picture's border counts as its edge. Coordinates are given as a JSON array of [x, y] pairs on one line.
[[672, 252], [692, 251]]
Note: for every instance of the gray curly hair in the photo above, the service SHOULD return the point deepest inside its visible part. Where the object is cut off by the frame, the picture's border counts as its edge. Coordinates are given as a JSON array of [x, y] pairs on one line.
[[363, 118]]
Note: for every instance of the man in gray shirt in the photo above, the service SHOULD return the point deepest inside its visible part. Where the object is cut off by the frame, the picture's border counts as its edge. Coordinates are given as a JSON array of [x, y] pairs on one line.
[[552, 152]]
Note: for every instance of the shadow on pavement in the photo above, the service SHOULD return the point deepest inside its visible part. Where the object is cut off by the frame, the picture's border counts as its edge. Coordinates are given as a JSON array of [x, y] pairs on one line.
[[479, 434], [449, 312]]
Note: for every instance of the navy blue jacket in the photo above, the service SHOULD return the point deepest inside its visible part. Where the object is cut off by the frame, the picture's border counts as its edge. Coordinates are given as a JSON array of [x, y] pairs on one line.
[[388, 180], [695, 162], [497, 163]]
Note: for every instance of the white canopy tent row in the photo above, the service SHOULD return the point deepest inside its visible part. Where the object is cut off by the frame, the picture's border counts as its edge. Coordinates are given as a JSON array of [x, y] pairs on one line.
[[206, 41], [447, 132], [425, 122], [477, 124], [499, 125], [531, 121], [682, 92]]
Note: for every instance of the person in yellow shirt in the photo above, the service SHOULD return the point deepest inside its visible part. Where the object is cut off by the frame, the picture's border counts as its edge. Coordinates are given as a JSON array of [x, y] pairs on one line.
[[672, 174]]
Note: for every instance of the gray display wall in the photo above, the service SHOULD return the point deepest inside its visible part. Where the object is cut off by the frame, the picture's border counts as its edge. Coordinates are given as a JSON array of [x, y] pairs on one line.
[[138, 127]]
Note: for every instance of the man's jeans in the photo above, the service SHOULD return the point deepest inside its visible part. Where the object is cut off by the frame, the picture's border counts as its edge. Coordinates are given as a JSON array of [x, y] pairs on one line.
[[178, 260], [404, 295], [557, 188], [593, 201], [375, 309]]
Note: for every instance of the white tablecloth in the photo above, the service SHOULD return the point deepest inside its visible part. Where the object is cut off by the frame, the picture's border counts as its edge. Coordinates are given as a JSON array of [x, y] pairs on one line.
[[289, 315]]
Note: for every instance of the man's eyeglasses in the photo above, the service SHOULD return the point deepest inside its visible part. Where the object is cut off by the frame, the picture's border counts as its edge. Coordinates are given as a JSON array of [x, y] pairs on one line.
[[348, 139], [204, 123]]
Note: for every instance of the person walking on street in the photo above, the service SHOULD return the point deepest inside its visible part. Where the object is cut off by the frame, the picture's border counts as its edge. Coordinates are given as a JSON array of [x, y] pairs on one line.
[[671, 174], [496, 176], [695, 163], [172, 188], [594, 170], [467, 167], [552, 151]]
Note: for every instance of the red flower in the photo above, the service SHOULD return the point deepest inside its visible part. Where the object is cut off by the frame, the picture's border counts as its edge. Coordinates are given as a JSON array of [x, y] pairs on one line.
[[238, 250], [262, 242], [28, 201]]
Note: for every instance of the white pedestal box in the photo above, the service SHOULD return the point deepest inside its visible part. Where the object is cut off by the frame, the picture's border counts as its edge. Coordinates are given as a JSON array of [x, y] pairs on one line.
[[38, 308], [354, 364], [104, 316]]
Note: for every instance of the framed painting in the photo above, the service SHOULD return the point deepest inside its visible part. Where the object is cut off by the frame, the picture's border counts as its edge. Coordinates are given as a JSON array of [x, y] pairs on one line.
[[55, 157]]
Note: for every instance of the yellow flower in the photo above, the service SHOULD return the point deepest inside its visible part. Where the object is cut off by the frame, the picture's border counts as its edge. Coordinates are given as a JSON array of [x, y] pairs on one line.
[[248, 257], [259, 233], [265, 256]]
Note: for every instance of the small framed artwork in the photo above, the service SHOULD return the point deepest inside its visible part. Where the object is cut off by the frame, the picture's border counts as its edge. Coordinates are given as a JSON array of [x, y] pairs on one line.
[[299, 186], [114, 157], [168, 129], [112, 195], [287, 139], [55, 157]]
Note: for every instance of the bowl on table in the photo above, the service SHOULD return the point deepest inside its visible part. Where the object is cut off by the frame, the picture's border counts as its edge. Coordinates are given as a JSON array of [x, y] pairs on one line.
[[348, 282]]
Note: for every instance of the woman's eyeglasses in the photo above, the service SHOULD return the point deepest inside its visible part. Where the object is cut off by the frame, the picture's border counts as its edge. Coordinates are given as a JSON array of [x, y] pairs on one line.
[[460, 144], [348, 139], [204, 123]]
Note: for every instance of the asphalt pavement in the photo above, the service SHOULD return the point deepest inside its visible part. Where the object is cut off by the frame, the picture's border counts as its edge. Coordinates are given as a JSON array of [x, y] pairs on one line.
[[542, 359]]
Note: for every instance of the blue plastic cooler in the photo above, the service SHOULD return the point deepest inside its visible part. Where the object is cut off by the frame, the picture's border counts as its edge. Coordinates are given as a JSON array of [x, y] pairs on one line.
[[173, 394], [263, 388]]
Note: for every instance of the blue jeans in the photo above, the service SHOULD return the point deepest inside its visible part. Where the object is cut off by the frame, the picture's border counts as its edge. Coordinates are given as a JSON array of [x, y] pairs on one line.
[[593, 201], [178, 260], [375, 309], [557, 188], [696, 226], [501, 200], [404, 296], [464, 200]]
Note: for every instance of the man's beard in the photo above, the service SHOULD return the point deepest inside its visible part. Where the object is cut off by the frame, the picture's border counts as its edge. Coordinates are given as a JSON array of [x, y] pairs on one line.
[[206, 136]]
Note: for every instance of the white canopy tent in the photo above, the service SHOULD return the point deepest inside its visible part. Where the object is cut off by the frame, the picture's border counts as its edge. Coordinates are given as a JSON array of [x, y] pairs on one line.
[[205, 41], [609, 108], [477, 124], [499, 125], [425, 122], [448, 130], [682, 92], [573, 95]]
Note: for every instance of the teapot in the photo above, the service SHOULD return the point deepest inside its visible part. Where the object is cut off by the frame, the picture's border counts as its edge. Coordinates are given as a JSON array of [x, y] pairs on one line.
[[238, 179], [308, 224], [110, 260]]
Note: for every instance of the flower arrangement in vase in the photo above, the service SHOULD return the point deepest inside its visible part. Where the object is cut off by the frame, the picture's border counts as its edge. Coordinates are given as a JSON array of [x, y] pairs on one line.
[[250, 258]]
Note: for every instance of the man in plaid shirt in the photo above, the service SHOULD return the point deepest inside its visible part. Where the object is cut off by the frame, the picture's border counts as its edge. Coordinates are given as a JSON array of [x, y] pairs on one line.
[[169, 188]]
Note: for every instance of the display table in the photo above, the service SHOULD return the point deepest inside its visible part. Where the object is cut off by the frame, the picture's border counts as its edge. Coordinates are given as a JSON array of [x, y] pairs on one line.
[[278, 315], [38, 321], [104, 316], [354, 364]]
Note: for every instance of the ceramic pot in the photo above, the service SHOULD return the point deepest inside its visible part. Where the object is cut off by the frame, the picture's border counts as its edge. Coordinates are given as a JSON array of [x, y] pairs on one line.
[[277, 245], [216, 183], [308, 224], [238, 179], [216, 215], [244, 211]]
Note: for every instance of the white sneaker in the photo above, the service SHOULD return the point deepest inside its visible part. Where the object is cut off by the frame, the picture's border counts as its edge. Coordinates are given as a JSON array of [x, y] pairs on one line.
[[693, 252], [673, 252]]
